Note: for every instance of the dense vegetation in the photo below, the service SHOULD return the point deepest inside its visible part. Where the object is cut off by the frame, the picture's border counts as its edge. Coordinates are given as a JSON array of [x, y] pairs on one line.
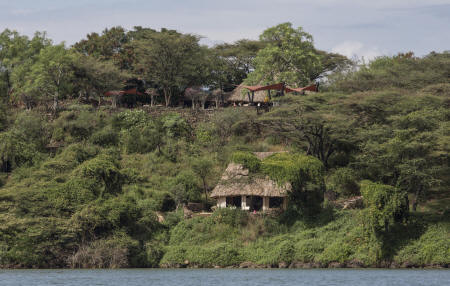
[[85, 185]]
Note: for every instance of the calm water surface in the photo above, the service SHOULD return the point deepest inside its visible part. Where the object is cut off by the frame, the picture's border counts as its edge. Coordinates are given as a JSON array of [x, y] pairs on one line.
[[194, 277]]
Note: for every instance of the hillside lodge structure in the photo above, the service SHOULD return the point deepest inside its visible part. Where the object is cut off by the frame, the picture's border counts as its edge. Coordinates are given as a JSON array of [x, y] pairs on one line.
[[237, 189], [196, 96]]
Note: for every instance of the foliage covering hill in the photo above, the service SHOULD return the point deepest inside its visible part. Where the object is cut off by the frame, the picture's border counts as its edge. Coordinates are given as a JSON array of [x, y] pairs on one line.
[[87, 187]]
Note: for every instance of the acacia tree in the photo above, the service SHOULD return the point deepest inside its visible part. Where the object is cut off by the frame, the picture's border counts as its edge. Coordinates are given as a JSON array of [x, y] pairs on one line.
[[320, 132], [171, 60], [202, 167], [386, 207], [17, 55], [52, 73], [231, 63], [97, 77], [288, 56]]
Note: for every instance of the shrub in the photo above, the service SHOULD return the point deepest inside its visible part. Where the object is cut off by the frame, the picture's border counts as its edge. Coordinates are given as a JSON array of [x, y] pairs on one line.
[[131, 118], [231, 217], [343, 182], [431, 248], [75, 126], [105, 137], [385, 206], [247, 159], [112, 252], [304, 173], [175, 125], [104, 172]]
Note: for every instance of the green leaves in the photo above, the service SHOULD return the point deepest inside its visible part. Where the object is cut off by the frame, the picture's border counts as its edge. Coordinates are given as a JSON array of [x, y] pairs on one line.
[[296, 169], [385, 206], [247, 159], [171, 60], [289, 56]]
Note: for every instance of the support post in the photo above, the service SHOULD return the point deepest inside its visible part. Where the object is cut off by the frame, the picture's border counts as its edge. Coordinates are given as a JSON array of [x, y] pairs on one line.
[[265, 203], [244, 203], [222, 202], [285, 203]]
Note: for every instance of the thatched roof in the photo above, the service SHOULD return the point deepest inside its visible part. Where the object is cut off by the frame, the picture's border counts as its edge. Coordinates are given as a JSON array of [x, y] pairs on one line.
[[236, 181], [236, 95], [197, 93]]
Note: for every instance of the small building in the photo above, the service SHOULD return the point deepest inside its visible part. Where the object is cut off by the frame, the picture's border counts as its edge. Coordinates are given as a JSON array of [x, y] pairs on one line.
[[239, 189], [240, 96]]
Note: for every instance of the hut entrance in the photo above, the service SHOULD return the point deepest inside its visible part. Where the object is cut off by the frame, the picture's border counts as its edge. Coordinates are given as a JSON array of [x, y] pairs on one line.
[[255, 203], [275, 202], [234, 202]]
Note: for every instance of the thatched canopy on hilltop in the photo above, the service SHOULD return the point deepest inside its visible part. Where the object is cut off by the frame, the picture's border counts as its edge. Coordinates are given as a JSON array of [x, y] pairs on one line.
[[236, 181], [237, 96]]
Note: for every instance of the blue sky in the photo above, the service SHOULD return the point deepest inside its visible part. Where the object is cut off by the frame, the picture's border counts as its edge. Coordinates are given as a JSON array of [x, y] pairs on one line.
[[352, 27]]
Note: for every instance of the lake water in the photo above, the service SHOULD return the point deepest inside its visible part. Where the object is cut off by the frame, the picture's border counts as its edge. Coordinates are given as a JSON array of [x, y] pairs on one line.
[[250, 277]]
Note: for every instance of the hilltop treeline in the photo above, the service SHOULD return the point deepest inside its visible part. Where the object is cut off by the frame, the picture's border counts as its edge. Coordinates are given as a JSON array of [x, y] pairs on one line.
[[97, 186], [34, 71]]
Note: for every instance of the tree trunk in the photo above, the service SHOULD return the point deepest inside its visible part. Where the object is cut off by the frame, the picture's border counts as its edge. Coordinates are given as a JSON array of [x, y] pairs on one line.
[[167, 96], [416, 199], [114, 101], [205, 189], [151, 100], [55, 103]]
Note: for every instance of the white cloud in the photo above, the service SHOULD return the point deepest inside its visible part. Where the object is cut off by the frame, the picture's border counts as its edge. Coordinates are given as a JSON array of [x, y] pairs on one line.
[[352, 49]]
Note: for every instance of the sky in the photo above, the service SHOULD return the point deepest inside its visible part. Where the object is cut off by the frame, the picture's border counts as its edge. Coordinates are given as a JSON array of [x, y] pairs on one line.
[[354, 28]]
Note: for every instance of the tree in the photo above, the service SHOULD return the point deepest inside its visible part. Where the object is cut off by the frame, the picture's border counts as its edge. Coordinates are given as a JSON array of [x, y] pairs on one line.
[[171, 60], [311, 126], [386, 207], [288, 56], [102, 175], [305, 174], [17, 55], [330, 63], [231, 63], [52, 74], [405, 158], [202, 167], [111, 45], [92, 76]]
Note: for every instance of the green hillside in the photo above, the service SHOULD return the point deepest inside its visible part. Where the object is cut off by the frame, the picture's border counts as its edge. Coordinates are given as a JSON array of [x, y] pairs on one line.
[[93, 185]]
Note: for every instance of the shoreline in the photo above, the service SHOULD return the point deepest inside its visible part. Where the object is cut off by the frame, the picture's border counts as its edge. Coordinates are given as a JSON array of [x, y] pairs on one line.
[[309, 265], [251, 265]]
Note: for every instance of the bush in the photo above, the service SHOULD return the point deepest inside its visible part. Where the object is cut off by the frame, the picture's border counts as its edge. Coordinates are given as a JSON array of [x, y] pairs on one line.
[[431, 248], [305, 174], [247, 159], [231, 217], [104, 173], [385, 206], [73, 126], [105, 137], [131, 118], [112, 252], [175, 125], [343, 182]]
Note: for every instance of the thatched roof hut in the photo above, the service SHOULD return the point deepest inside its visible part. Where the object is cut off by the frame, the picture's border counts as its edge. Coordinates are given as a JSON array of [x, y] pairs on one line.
[[238, 188], [237, 96], [236, 182]]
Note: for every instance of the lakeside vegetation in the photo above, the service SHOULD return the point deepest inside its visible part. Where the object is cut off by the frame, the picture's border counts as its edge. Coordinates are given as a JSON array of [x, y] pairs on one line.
[[93, 185]]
